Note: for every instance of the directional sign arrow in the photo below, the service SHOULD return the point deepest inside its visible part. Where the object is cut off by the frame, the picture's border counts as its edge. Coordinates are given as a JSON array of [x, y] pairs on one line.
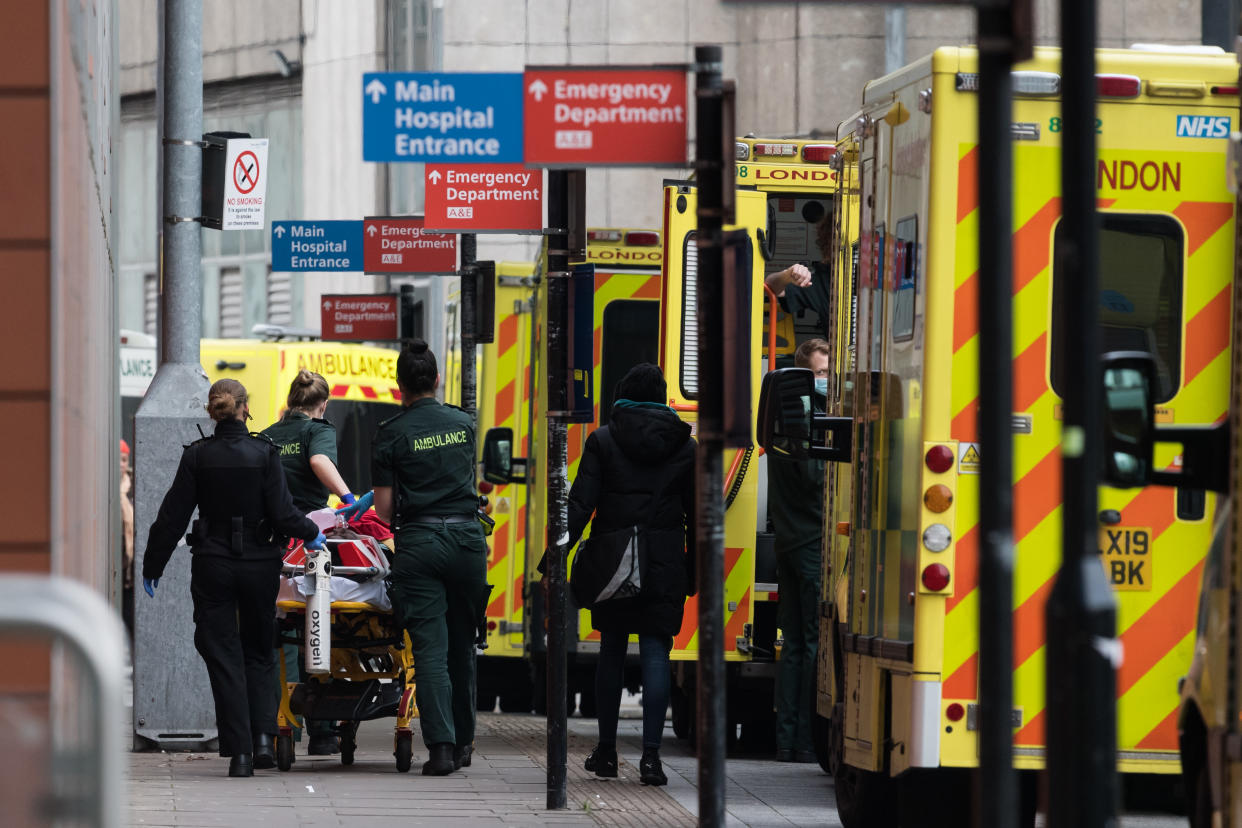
[[371, 231], [279, 232], [538, 89], [376, 90], [327, 305], [434, 176]]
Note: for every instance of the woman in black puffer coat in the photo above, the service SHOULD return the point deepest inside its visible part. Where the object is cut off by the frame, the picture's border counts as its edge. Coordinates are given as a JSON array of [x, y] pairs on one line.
[[639, 470]]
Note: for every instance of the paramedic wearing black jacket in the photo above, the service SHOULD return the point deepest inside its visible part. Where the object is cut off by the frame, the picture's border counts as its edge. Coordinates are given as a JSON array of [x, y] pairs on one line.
[[237, 483], [639, 470]]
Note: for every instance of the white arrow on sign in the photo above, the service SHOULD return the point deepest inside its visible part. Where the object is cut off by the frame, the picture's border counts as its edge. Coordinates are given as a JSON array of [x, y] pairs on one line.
[[538, 89], [434, 176], [376, 90], [327, 304], [371, 231], [279, 232]]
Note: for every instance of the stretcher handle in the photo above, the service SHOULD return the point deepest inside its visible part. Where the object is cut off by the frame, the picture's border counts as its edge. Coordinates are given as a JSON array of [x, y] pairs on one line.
[[294, 569]]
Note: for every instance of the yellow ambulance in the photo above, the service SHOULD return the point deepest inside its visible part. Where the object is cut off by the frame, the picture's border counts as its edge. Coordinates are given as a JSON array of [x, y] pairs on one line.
[[362, 380], [512, 394], [898, 687]]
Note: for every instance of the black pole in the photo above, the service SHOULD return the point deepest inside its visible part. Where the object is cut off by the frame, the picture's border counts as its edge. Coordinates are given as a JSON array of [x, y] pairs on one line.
[[709, 460], [998, 788], [469, 291], [558, 484], [1081, 612]]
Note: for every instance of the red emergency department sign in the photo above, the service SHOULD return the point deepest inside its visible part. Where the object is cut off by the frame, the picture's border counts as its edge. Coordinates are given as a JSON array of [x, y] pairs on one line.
[[399, 245], [581, 117], [483, 197], [359, 317]]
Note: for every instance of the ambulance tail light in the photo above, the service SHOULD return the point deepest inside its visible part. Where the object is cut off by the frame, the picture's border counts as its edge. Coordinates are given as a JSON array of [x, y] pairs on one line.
[[1036, 84], [939, 459], [642, 238], [1118, 86], [938, 498], [741, 151], [818, 152], [604, 235], [936, 577], [955, 712], [1224, 90], [785, 150]]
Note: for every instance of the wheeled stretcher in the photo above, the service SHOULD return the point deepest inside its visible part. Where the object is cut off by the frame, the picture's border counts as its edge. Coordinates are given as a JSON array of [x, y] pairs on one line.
[[333, 605]]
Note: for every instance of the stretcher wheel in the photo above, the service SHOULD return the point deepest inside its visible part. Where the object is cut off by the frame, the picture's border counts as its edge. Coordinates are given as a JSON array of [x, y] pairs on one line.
[[284, 752], [349, 742], [404, 751]]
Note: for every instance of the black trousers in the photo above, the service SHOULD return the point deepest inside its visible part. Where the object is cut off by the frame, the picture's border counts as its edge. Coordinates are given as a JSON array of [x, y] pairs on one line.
[[234, 630]]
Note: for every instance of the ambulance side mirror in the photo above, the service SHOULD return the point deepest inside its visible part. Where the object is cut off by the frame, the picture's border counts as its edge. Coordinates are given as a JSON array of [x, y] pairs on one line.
[[789, 427], [1129, 382], [498, 460]]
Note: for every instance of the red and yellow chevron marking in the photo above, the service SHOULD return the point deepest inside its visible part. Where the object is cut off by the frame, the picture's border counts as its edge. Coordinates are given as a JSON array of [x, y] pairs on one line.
[[1156, 626], [609, 287], [368, 392], [738, 594], [509, 366]]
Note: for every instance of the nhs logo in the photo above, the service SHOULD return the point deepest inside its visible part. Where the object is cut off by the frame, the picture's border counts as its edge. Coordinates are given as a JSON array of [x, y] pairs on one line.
[[1202, 126]]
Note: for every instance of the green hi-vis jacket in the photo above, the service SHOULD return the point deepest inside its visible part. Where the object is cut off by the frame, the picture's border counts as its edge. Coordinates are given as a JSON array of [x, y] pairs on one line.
[[299, 438], [427, 454]]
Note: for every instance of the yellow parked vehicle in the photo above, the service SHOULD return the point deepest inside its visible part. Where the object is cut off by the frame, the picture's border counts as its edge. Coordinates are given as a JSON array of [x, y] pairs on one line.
[[898, 682], [512, 395], [362, 380]]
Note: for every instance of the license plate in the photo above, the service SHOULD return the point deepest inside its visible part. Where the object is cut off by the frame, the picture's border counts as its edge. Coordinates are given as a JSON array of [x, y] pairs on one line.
[[1126, 553]]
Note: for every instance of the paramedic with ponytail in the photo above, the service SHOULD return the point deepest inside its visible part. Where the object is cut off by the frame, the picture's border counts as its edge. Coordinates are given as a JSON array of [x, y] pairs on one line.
[[423, 466], [307, 445], [245, 512]]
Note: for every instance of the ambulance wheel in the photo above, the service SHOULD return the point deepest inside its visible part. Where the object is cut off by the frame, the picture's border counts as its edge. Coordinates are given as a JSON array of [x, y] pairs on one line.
[[404, 751], [284, 752]]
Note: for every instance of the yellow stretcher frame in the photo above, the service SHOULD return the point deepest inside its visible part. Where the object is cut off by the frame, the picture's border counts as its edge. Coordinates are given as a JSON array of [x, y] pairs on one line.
[[346, 663]]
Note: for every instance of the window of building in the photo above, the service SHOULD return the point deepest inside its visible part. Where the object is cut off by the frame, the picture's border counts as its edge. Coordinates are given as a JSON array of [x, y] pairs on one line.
[[1141, 273], [279, 298], [150, 303], [232, 315]]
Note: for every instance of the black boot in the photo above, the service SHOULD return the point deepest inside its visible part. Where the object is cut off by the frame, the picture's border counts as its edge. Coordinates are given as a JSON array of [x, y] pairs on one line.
[[650, 771], [264, 751], [439, 760], [323, 744], [602, 761], [242, 764], [461, 756]]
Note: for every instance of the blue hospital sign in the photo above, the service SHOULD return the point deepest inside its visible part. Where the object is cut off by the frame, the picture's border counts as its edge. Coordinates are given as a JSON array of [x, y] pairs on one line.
[[441, 117]]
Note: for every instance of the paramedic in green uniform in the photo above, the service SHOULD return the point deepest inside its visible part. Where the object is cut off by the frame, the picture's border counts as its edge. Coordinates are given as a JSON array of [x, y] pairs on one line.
[[307, 446], [796, 509], [423, 467]]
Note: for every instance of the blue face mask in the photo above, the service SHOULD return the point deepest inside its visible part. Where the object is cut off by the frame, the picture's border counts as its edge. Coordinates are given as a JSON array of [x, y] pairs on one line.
[[821, 386]]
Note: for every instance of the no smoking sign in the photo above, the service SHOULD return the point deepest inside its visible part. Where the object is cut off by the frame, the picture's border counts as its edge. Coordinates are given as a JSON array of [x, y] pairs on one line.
[[246, 172], [245, 184]]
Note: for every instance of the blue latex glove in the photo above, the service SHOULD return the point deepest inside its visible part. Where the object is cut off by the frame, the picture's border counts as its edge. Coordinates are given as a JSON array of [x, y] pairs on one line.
[[318, 542], [149, 584], [358, 507], [348, 498]]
